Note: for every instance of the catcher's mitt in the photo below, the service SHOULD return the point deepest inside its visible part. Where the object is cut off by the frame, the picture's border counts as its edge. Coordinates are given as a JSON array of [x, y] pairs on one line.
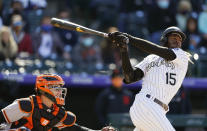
[[109, 128]]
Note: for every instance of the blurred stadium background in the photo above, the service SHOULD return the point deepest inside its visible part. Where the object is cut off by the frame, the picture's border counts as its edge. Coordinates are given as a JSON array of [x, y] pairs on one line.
[[29, 46]]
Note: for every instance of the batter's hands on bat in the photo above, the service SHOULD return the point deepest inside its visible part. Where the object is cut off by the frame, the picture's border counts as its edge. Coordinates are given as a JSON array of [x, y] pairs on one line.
[[109, 128], [119, 40]]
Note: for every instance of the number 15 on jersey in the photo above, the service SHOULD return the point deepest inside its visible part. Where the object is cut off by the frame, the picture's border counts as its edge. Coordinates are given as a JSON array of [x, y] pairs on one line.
[[170, 78]]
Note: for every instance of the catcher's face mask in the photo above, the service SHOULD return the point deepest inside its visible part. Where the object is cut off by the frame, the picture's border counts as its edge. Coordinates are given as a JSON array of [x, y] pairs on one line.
[[52, 87], [59, 93]]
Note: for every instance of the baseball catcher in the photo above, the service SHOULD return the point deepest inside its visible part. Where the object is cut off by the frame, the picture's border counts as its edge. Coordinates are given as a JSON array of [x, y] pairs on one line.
[[43, 111]]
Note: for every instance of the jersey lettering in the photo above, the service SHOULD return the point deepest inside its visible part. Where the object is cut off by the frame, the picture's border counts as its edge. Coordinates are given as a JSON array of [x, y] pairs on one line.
[[160, 62]]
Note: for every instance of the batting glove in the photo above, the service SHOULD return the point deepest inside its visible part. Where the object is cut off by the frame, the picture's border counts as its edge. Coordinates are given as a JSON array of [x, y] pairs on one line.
[[119, 40]]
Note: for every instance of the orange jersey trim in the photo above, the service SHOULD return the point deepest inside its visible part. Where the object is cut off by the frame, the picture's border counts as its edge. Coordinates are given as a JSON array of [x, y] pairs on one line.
[[39, 102], [6, 117], [63, 125], [55, 112]]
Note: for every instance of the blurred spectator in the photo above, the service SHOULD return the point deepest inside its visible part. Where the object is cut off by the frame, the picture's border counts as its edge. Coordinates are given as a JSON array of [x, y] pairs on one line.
[[183, 12], [1, 8], [134, 23], [160, 12], [46, 42], [8, 47], [197, 5], [114, 99], [180, 103], [68, 37], [193, 36], [34, 12], [106, 12], [110, 54], [16, 8], [1, 22], [202, 26], [133, 18], [160, 16], [22, 38], [133, 5], [202, 18], [30, 10], [87, 54], [33, 4], [203, 44]]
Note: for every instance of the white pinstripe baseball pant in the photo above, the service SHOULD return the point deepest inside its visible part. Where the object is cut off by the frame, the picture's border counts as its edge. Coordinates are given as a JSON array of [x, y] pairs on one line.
[[147, 115]]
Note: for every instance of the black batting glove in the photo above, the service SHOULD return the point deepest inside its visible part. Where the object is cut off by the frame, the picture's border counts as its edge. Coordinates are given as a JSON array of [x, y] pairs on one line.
[[114, 37], [119, 40]]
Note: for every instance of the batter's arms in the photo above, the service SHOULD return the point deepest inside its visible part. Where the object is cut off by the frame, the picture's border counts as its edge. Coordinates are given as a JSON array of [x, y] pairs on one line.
[[144, 45], [152, 48], [130, 75]]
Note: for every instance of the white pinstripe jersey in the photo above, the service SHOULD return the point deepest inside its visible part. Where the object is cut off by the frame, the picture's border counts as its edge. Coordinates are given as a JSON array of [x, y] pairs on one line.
[[162, 78]]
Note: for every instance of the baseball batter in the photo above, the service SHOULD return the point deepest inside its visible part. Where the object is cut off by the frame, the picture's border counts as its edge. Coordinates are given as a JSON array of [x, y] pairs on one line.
[[162, 73]]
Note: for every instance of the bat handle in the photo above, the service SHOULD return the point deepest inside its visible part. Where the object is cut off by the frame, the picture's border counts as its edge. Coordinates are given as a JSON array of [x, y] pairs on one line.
[[125, 40], [105, 35]]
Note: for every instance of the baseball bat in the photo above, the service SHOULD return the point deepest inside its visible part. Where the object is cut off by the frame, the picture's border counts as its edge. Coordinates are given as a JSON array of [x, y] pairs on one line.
[[76, 27]]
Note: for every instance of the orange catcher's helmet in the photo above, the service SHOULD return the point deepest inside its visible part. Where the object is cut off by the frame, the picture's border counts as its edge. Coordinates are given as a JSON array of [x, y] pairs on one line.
[[51, 86]]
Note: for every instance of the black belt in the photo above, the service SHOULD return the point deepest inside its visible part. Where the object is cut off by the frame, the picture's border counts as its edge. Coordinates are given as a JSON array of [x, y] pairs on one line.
[[158, 102]]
